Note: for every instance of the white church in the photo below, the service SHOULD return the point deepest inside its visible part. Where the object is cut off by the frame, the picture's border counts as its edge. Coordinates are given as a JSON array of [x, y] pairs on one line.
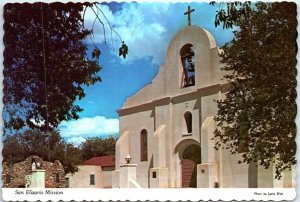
[[166, 128]]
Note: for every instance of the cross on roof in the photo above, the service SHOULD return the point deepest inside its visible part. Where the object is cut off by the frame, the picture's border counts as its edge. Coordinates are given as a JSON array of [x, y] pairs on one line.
[[188, 12]]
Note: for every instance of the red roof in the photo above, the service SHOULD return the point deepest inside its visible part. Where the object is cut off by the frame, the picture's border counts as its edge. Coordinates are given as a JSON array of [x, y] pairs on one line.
[[103, 161]]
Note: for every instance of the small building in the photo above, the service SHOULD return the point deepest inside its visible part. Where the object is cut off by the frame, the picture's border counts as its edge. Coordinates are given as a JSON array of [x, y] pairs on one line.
[[21, 174], [95, 172]]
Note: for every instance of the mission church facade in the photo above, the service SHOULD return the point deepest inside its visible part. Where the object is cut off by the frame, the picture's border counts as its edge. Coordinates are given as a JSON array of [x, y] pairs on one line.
[[167, 127]]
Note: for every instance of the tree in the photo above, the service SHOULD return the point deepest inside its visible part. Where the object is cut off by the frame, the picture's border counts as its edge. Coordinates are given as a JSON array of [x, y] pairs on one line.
[[45, 63], [233, 12], [257, 115], [49, 147], [98, 146]]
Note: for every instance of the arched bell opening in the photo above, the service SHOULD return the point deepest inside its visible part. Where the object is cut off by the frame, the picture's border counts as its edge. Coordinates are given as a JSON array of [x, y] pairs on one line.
[[187, 56]]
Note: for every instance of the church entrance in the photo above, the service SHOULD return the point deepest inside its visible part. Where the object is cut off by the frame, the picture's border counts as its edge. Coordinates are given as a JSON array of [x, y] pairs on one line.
[[191, 156], [188, 167]]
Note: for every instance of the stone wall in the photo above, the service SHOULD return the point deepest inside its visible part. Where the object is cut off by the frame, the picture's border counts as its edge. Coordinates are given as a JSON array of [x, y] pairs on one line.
[[13, 176]]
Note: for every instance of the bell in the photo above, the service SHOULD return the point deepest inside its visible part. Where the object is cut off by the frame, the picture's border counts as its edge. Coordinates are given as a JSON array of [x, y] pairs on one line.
[[190, 82], [191, 53], [189, 60], [191, 67], [187, 55]]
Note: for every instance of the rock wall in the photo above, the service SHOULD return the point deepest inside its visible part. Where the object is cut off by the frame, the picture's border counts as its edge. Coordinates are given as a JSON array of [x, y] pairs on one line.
[[13, 176]]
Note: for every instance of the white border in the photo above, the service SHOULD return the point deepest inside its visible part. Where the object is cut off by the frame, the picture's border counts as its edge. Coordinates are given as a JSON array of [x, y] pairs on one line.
[[192, 194], [225, 194]]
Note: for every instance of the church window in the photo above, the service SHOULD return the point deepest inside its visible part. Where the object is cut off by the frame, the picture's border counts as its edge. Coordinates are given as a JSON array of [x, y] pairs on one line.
[[92, 179], [154, 174], [188, 121], [144, 145], [188, 66]]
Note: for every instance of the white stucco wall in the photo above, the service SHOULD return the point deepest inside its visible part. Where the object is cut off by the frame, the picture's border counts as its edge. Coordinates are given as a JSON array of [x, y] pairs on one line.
[[159, 108], [107, 176], [167, 82], [81, 179], [163, 102]]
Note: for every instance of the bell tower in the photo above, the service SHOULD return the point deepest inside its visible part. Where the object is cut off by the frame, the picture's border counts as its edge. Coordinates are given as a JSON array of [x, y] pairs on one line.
[[187, 55]]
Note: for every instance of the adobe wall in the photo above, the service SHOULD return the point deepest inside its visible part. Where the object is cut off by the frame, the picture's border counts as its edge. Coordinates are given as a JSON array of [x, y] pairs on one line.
[[18, 171]]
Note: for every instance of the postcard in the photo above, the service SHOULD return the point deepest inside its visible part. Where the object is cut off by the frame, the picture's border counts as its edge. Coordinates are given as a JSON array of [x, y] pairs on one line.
[[149, 100]]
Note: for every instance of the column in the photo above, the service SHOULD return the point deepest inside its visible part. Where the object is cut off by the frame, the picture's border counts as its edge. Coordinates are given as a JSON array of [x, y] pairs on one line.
[[127, 173], [207, 176], [37, 179]]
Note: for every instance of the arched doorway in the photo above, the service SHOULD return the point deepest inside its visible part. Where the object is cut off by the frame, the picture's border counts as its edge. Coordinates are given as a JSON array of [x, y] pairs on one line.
[[190, 156]]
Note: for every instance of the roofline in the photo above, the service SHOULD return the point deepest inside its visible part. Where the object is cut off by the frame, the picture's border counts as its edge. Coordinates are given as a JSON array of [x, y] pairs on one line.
[[175, 99]]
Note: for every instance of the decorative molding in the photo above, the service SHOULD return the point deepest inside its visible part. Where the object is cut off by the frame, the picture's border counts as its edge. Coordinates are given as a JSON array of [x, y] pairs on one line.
[[187, 134], [207, 90]]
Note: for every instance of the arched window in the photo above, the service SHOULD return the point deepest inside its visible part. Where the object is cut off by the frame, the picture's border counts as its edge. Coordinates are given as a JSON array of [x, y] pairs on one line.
[[188, 121], [188, 66], [144, 145]]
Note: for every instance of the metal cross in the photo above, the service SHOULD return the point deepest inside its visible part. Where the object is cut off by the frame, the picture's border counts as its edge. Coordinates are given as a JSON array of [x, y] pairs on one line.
[[188, 12]]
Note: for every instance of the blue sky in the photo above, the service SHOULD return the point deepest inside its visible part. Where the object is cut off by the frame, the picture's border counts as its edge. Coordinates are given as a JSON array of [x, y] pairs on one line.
[[147, 29]]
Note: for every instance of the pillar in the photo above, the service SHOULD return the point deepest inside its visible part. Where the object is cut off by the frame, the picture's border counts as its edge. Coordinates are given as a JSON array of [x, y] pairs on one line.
[[208, 153], [37, 179], [116, 179], [207, 176], [127, 173]]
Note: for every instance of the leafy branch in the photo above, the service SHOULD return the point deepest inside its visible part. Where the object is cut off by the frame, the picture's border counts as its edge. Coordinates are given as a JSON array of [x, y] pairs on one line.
[[123, 50], [229, 13]]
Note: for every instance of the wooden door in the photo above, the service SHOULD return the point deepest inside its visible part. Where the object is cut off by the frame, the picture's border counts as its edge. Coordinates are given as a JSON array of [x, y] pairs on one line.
[[187, 167]]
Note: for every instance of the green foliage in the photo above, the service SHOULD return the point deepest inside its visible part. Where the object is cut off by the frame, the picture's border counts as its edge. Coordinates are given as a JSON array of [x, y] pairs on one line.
[[229, 13], [98, 146], [257, 116], [45, 65], [48, 146]]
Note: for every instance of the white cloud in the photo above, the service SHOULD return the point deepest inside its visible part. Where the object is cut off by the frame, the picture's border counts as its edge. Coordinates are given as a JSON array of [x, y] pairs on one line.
[[77, 131], [141, 28], [75, 140], [147, 28]]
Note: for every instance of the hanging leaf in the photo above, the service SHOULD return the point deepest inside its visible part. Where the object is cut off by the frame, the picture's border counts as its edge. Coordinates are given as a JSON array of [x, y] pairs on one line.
[[123, 50], [212, 3], [120, 51], [96, 53]]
